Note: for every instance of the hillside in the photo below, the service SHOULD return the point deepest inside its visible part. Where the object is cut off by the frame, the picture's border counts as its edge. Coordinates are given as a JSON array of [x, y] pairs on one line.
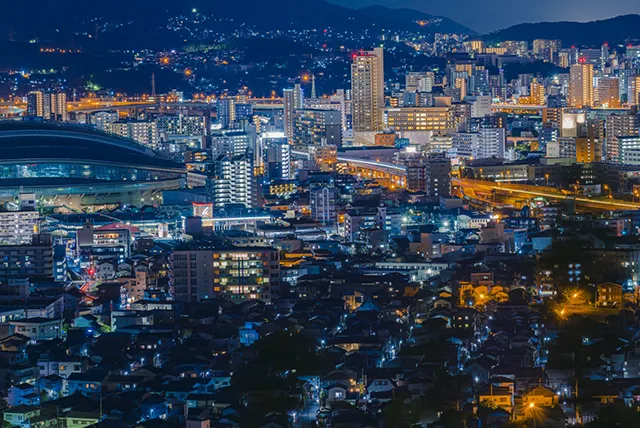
[[615, 30], [141, 21]]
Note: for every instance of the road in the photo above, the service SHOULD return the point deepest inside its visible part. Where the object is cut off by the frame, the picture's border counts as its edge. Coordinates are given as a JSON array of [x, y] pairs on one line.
[[307, 416], [523, 190]]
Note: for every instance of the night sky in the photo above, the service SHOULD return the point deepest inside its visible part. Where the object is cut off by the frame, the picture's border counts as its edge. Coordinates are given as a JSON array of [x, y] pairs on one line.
[[488, 15]]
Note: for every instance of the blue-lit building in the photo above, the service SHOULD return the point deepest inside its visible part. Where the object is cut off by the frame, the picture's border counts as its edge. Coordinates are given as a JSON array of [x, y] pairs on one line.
[[85, 166]]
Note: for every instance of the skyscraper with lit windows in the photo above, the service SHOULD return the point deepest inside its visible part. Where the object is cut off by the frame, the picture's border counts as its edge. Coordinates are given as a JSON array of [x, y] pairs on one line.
[[581, 92], [367, 90]]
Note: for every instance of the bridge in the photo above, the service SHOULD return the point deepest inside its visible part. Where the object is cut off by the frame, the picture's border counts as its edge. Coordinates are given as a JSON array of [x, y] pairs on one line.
[[386, 174], [478, 191]]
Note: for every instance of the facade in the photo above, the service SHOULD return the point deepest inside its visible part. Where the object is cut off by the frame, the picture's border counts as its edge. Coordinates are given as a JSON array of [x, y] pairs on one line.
[[103, 242], [618, 125], [313, 128], [144, 132], [182, 125], [293, 100], [439, 119], [229, 142], [367, 90], [226, 111], [49, 106], [438, 177], [18, 227], [33, 261], [581, 92], [38, 328], [235, 273], [232, 182], [491, 143], [323, 204]]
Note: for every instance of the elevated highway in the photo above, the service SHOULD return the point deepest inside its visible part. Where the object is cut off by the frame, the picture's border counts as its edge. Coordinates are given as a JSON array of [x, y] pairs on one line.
[[518, 192]]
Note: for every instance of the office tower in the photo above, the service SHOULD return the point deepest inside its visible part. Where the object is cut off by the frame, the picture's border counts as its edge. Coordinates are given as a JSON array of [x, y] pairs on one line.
[[608, 93], [536, 93], [35, 104], [421, 118], [278, 159], [226, 112], [491, 143], [438, 176], [237, 273], [144, 132], [232, 181], [367, 90], [618, 125], [316, 128], [293, 100], [581, 85], [229, 142], [323, 204]]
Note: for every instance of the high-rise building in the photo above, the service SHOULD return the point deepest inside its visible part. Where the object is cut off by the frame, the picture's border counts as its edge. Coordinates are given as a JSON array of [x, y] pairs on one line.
[[57, 106], [144, 132], [102, 120], [581, 85], [367, 90], [232, 181], [33, 260], [608, 93], [50, 106], [323, 204], [293, 100], [316, 128], [491, 143], [226, 112], [536, 93], [229, 142], [618, 125], [633, 91], [278, 159], [182, 124], [628, 150], [35, 104], [438, 176], [236, 273], [18, 227]]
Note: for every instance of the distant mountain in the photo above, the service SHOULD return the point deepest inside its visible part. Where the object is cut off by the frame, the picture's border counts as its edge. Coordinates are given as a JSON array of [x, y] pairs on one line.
[[594, 33], [139, 19]]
